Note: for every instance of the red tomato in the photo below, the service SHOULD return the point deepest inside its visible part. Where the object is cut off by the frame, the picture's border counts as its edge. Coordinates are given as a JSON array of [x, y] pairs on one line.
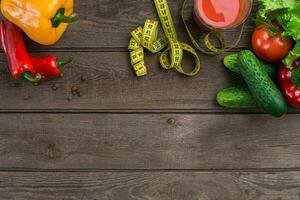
[[268, 47]]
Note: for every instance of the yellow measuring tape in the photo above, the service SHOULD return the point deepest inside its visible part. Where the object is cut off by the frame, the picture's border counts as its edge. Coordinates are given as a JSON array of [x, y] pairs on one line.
[[171, 57]]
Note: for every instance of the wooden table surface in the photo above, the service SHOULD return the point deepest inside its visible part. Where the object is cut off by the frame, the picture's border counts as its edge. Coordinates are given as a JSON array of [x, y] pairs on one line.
[[160, 137]]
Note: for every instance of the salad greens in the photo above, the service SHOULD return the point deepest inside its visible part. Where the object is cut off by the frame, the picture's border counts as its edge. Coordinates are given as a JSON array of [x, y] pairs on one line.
[[287, 14]]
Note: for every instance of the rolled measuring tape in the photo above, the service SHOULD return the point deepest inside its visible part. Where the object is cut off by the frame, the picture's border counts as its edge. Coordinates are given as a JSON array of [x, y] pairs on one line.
[[171, 57]]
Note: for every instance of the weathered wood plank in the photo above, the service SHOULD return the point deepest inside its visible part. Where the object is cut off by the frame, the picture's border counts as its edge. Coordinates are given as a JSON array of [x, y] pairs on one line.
[[148, 141], [107, 24], [145, 186], [111, 84]]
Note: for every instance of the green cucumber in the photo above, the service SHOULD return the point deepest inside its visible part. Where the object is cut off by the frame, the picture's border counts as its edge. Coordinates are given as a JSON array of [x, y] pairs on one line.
[[264, 91], [231, 63], [236, 97]]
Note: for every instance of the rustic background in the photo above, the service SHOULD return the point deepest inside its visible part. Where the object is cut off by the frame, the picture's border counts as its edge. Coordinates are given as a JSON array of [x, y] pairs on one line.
[[160, 137]]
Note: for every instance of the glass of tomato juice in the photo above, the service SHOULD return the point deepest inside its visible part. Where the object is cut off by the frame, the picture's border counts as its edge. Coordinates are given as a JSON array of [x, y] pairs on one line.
[[221, 14]]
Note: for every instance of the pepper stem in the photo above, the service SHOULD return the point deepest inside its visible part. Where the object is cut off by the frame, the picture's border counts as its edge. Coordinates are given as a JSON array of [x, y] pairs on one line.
[[61, 18], [27, 75], [296, 77], [62, 63]]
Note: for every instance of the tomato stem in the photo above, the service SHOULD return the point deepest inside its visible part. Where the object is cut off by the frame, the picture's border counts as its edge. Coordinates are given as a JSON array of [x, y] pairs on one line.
[[273, 30]]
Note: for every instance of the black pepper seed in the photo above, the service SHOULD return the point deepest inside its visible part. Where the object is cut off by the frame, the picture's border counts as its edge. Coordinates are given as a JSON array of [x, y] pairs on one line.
[[57, 85], [74, 92], [74, 88], [27, 97], [83, 78]]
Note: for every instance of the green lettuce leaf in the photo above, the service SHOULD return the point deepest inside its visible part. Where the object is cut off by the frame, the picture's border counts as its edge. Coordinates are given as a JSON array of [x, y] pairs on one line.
[[270, 9], [290, 21], [293, 55]]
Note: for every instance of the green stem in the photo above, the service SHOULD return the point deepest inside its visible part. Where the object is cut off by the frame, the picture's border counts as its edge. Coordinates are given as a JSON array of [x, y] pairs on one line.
[[272, 30], [296, 77], [61, 18], [270, 27], [61, 63], [27, 75]]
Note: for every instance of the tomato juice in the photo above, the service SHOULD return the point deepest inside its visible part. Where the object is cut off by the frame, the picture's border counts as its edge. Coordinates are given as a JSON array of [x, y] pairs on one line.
[[221, 14]]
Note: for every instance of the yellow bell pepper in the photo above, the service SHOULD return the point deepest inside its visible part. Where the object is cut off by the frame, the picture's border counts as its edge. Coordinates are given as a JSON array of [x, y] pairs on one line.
[[44, 21]]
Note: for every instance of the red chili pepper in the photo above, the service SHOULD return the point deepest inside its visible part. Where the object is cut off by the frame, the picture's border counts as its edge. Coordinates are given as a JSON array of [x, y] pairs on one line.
[[2, 33], [48, 66], [18, 59], [289, 80]]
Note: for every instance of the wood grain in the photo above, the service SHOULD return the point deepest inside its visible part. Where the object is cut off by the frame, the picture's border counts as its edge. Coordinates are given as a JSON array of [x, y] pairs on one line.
[[148, 141], [111, 84], [107, 24], [150, 186], [51, 150]]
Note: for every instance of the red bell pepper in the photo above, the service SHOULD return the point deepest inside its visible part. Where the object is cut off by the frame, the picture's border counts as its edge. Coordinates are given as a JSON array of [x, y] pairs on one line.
[[289, 80], [18, 59], [48, 66]]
